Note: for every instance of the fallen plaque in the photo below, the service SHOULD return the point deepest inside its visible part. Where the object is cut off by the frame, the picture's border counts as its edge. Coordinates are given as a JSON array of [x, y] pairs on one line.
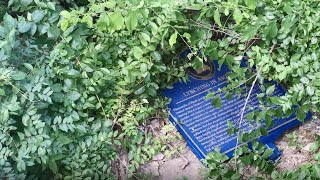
[[205, 127]]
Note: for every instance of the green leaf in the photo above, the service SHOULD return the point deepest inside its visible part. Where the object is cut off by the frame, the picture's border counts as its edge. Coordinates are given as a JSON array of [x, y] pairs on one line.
[[287, 8], [24, 26], [53, 32], [21, 165], [145, 36], [305, 80], [57, 120], [237, 16], [26, 2], [282, 75], [144, 39], [131, 20], [310, 90], [246, 160], [250, 116], [74, 95], [276, 100], [251, 4], [140, 90], [269, 120], [301, 115], [317, 170], [110, 4], [53, 166], [267, 153], [154, 27], [270, 90], [187, 36], [88, 20], [143, 67], [137, 52], [28, 66], [40, 4], [229, 96], [116, 21], [271, 30], [25, 119], [18, 75], [51, 6], [37, 15], [73, 73], [64, 25], [63, 127], [9, 20], [82, 128], [250, 32], [173, 38], [2, 92], [216, 17], [63, 140], [130, 155], [314, 146], [156, 56], [264, 131], [65, 14], [217, 103], [103, 22]]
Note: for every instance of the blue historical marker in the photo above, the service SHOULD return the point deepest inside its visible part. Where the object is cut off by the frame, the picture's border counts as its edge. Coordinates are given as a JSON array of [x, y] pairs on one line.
[[205, 127]]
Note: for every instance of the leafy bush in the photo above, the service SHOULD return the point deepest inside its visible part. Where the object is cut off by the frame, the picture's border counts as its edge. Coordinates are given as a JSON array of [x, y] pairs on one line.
[[79, 82]]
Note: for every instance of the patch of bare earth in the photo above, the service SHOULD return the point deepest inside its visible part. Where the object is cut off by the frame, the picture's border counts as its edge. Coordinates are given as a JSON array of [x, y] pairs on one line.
[[294, 144]]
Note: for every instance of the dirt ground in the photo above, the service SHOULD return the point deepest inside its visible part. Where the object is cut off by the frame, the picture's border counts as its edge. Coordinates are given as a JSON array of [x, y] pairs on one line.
[[294, 144]]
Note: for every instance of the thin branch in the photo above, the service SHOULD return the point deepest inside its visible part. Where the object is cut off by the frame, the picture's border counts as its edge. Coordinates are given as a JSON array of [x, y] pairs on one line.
[[228, 90], [223, 31], [243, 111], [190, 48], [181, 155], [127, 167], [114, 122], [225, 23], [254, 40]]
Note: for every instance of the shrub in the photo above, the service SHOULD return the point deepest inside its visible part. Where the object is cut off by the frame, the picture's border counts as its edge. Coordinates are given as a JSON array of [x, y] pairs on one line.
[[79, 82]]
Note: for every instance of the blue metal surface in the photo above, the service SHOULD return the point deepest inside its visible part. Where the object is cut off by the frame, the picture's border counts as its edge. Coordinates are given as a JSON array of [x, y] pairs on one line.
[[203, 126]]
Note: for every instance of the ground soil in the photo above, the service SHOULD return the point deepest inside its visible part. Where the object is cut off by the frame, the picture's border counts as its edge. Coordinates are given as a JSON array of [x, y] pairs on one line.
[[294, 144]]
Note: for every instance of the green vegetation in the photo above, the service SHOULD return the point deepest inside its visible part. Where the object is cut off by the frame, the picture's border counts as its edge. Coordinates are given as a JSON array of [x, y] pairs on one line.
[[78, 84], [80, 79]]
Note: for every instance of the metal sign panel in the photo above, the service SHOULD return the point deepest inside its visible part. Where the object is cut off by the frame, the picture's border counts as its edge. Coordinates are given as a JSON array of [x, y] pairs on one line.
[[205, 127]]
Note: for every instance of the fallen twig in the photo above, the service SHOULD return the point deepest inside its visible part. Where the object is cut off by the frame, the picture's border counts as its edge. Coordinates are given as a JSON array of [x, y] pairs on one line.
[[243, 110]]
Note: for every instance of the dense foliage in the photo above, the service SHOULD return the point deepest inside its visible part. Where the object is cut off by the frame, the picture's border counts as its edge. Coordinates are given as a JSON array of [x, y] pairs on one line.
[[77, 86], [80, 80]]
